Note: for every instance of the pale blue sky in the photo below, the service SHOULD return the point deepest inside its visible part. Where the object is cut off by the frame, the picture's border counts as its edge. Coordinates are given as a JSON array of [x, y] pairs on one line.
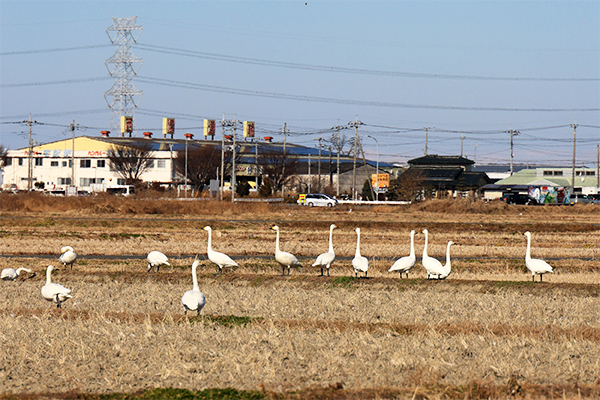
[[408, 65]]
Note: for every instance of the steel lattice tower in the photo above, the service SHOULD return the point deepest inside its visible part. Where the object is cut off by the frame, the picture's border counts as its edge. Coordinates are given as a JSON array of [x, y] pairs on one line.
[[123, 93]]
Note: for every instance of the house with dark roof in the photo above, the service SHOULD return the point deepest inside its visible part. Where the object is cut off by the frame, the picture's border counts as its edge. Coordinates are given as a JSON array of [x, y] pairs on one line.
[[445, 175]]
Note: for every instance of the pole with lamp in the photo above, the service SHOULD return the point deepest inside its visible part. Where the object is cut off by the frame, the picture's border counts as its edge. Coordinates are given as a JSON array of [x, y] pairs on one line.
[[377, 169]]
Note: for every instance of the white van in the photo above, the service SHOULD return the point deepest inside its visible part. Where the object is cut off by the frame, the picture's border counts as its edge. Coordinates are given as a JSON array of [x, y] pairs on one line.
[[317, 200], [121, 190]]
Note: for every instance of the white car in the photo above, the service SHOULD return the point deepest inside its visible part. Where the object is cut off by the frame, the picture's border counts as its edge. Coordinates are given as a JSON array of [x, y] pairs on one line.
[[317, 200]]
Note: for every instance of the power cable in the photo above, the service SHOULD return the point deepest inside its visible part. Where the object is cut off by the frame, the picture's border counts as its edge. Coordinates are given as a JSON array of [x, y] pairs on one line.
[[245, 92], [312, 67]]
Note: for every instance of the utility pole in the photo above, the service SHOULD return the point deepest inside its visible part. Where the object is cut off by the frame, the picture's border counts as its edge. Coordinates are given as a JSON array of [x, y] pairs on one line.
[[233, 161], [427, 128], [256, 161], [475, 156], [30, 122], [512, 133], [461, 145], [319, 165], [355, 124], [598, 166], [309, 176], [574, 126], [222, 155], [284, 161], [73, 126]]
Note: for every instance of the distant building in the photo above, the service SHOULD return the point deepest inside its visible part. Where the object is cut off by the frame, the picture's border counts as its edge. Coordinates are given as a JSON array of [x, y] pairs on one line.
[[556, 178], [446, 175]]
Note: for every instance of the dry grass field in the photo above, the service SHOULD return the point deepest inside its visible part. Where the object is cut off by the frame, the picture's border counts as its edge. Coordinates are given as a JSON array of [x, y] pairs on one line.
[[485, 332]]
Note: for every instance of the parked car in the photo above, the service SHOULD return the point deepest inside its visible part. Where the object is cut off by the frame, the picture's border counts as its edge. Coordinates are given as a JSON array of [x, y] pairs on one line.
[[580, 198], [518, 198], [317, 200]]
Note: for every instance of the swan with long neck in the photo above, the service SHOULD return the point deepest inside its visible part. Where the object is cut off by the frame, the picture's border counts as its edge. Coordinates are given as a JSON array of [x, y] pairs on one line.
[[220, 259], [155, 260], [326, 259], [284, 258], [359, 263], [54, 292], [67, 256], [434, 268], [535, 265], [10, 274], [193, 300], [405, 264]]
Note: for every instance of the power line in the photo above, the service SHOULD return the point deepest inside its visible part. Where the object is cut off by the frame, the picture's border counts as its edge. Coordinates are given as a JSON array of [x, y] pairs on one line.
[[246, 92], [82, 80], [361, 71], [54, 50]]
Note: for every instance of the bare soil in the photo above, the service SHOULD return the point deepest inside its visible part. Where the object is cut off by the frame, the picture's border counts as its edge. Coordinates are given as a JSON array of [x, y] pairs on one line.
[[485, 332]]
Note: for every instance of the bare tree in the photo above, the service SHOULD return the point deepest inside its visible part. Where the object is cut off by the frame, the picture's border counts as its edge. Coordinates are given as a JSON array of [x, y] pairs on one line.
[[130, 162], [3, 155], [278, 166], [408, 187], [202, 164]]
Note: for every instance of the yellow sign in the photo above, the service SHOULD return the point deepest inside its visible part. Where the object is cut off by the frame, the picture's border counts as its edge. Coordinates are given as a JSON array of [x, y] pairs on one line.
[[384, 180]]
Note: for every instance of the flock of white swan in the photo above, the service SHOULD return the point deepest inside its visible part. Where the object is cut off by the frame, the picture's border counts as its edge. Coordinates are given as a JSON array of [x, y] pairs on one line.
[[194, 300]]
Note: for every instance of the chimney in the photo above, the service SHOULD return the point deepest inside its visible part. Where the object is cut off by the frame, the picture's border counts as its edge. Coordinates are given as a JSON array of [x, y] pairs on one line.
[[147, 135], [105, 133], [268, 139], [189, 136]]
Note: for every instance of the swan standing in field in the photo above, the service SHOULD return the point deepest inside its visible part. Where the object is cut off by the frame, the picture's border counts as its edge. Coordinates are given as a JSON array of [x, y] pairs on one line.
[[67, 256], [156, 259], [222, 260], [10, 274], [282, 257], [535, 265], [326, 259], [433, 266], [405, 264], [53, 291], [193, 300], [359, 263]]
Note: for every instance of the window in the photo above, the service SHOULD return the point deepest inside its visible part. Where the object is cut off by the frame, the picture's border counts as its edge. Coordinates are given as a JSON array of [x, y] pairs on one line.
[[39, 162], [590, 173], [20, 161], [64, 181], [553, 173], [120, 181], [85, 163], [54, 163], [101, 163], [90, 181], [64, 163], [150, 164], [8, 162], [161, 164]]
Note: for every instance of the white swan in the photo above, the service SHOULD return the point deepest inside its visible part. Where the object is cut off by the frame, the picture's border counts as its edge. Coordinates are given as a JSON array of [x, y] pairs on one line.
[[434, 268], [359, 263], [156, 259], [282, 257], [193, 300], [53, 291], [222, 260], [67, 256], [326, 259], [10, 274], [535, 265], [405, 264]]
